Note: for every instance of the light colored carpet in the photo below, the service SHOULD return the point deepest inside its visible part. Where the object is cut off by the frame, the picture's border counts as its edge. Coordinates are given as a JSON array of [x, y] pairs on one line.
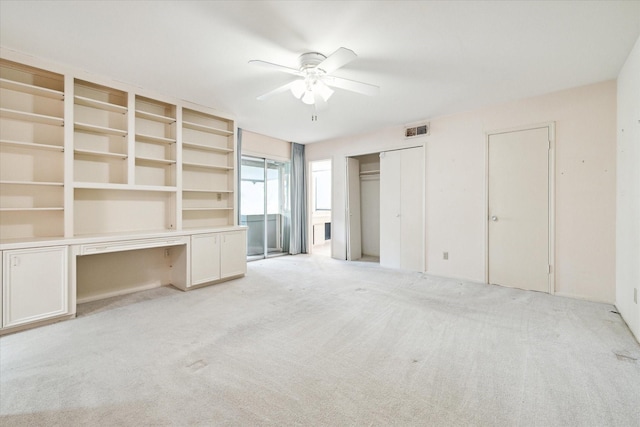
[[307, 340]]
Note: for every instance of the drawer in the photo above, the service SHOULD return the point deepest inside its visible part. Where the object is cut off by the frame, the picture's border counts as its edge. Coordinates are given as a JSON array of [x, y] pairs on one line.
[[130, 245]]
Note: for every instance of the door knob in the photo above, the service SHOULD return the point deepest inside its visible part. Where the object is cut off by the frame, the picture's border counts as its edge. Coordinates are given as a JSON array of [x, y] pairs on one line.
[[494, 218]]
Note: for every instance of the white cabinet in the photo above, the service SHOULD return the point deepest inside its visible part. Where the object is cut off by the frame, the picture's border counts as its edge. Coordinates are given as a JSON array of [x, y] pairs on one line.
[[233, 254], [34, 285], [205, 258], [216, 256]]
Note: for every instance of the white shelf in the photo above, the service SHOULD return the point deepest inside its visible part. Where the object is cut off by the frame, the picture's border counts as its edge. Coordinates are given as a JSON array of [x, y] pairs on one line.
[[124, 187], [154, 161], [31, 117], [38, 183], [100, 105], [193, 145], [204, 166], [208, 129], [31, 89], [188, 190], [155, 117], [31, 209], [84, 127], [32, 145], [154, 139], [100, 154], [371, 172]]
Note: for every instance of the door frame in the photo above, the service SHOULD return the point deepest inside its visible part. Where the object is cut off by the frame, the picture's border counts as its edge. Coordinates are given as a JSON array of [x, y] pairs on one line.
[[265, 166], [352, 174], [551, 126]]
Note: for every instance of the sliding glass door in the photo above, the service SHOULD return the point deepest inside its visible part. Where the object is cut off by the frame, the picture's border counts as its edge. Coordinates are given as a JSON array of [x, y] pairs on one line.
[[265, 206]]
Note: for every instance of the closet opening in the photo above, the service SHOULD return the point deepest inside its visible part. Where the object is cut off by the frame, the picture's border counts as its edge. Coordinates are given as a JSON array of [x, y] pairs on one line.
[[385, 208], [363, 208], [265, 206], [321, 206]]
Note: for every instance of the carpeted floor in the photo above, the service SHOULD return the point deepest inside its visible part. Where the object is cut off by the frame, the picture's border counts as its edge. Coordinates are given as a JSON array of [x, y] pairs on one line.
[[308, 340]]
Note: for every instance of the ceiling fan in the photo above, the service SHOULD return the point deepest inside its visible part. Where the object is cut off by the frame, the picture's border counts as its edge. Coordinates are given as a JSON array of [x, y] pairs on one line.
[[315, 81]]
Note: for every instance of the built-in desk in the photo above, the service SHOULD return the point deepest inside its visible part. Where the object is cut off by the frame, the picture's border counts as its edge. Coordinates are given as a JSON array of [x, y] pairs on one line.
[[43, 281]]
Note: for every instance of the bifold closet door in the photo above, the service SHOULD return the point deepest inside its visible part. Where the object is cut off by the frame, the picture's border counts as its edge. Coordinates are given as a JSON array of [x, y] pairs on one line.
[[401, 209], [390, 229]]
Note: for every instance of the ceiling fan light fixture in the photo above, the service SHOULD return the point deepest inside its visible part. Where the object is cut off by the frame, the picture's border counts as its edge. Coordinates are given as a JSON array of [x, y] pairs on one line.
[[298, 87], [308, 98], [323, 90], [315, 82]]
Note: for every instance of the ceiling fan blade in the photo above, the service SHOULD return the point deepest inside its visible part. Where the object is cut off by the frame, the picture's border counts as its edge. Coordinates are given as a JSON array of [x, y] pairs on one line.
[[276, 67], [352, 85], [276, 91], [337, 59]]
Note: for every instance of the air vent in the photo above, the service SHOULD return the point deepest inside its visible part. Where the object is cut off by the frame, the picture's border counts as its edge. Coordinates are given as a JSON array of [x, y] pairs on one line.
[[420, 130]]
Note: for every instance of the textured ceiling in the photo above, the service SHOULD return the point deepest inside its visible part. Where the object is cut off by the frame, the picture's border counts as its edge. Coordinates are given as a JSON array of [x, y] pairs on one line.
[[429, 58]]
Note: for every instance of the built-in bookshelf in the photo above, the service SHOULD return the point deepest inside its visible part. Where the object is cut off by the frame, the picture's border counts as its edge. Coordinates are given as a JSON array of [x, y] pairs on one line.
[[97, 180], [96, 159], [155, 143], [31, 152], [207, 170], [100, 134]]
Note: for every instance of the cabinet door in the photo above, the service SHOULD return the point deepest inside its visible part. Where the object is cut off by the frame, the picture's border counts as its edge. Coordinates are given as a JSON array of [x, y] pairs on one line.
[[34, 285], [205, 258], [233, 255]]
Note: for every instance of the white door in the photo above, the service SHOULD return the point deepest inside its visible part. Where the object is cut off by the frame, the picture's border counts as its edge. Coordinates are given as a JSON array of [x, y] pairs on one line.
[[354, 231], [518, 240], [401, 209]]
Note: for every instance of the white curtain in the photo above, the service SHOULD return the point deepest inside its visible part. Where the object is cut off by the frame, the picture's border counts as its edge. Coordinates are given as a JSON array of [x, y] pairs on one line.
[[298, 237]]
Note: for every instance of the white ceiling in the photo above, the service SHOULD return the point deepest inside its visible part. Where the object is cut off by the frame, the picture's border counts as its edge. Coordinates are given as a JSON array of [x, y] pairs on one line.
[[429, 58]]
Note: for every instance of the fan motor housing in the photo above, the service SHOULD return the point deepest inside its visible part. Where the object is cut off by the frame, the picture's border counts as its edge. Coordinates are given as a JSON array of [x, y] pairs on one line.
[[310, 60]]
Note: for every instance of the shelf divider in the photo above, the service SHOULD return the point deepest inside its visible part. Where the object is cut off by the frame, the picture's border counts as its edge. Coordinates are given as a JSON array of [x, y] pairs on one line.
[[31, 117], [84, 127], [31, 89], [101, 105], [209, 129], [32, 145]]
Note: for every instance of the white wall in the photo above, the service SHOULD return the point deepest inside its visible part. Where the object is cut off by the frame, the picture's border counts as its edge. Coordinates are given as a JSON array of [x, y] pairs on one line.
[[628, 192], [455, 173], [266, 147]]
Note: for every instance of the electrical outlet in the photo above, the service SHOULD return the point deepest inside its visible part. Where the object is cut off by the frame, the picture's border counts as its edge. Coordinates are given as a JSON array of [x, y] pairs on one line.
[[635, 295], [445, 255]]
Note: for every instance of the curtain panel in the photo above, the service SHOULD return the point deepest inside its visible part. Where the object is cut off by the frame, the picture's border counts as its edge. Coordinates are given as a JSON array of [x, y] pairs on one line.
[[298, 238]]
